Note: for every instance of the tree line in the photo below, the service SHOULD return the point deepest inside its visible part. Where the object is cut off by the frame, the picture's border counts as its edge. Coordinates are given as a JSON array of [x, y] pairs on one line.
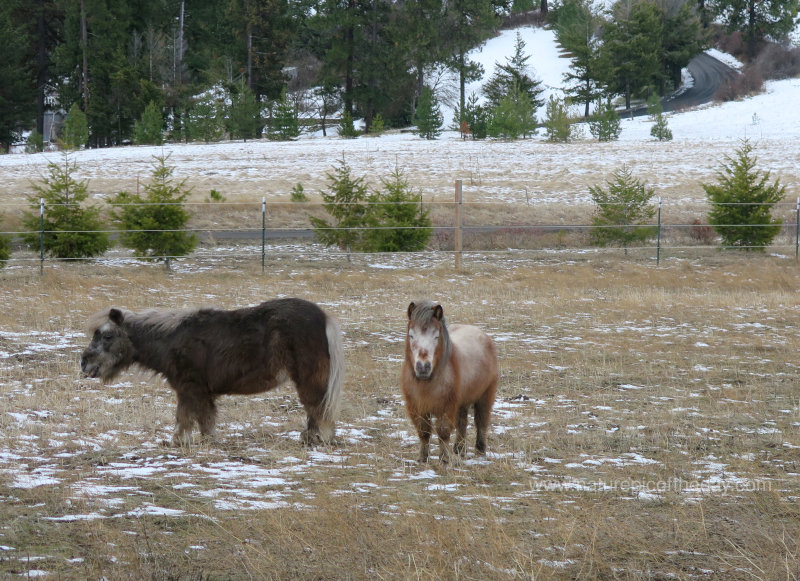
[[368, 59]]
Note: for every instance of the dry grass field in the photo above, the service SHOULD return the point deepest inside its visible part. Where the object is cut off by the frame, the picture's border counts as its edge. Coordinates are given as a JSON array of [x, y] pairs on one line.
[[647, 427]]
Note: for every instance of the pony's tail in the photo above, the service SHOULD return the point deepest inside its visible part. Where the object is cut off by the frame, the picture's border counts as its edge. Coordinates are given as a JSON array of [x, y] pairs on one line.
[[333, 395]]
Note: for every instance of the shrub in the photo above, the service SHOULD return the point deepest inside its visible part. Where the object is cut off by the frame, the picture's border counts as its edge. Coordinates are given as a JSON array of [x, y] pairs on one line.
[[154, 224], [701, 232], [70, 229], [741, 202]]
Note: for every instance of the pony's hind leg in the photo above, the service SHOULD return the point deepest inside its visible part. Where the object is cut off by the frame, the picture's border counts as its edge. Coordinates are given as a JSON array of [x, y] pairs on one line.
[[483, 412], [460, 445], [207, 418]]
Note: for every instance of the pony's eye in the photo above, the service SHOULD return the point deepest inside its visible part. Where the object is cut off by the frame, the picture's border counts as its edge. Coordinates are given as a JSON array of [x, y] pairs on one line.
[[411, 335]]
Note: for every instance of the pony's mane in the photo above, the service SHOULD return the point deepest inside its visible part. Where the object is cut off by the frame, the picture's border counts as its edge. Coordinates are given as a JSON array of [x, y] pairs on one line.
[[162, 320]]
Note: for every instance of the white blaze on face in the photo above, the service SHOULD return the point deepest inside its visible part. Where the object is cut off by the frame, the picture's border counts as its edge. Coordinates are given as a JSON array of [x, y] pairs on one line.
[[423, 342]]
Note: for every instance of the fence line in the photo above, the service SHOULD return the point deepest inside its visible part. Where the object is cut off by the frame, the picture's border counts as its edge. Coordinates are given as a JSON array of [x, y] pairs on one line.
[[457, 229]]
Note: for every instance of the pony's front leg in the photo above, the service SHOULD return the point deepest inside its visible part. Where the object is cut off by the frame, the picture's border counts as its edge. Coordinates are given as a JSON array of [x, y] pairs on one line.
[[443, 429], [460, 445], [424, 431], [184, 418]]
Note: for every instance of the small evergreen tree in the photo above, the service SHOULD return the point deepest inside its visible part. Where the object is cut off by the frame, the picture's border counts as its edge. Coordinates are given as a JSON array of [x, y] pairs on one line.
[[35, 142], [154, 225], [71, 230], [428, 118], [345, 201], [605, 124], [622, 211], [557, 124], [5, 249], [285, 125], [398, 221], [150, 130], [75, 132], [742, 201], [513, 117], [659, 130], [298, 193], [346, 127], [378, 125], [204, 119], [476, 118], [244, 120]]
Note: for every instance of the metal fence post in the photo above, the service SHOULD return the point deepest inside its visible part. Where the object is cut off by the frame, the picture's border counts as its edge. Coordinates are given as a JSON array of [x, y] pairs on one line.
[[41, 235], [658, 235], [263, 233], [458, 242]]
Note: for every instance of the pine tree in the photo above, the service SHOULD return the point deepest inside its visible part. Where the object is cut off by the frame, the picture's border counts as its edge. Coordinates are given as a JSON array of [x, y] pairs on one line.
[[150, 129], [631, 51], [605, 124], [398, 221], [429, 118], [75, 133], [345, 201], [576, 31], [154, 225], [285, 125], [71, 229], [513, 117], [622, 211], [244, 120], [513, 76], [742, 201], [17, 79]]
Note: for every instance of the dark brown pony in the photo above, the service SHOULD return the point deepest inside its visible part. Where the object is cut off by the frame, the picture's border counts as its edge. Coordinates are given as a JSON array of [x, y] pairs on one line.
[[446, 371], [207, 353]]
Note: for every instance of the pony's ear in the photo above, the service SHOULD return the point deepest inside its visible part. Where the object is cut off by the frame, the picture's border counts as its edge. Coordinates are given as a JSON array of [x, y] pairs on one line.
[[438, 312], [411, 308], [116, 316]]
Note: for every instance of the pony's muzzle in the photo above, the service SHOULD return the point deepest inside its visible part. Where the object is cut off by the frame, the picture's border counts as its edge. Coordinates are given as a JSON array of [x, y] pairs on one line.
[[423, 369], [88, 369]]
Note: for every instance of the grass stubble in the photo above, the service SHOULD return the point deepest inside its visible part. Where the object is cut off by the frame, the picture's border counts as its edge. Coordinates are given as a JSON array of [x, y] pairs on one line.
[[647, 427]]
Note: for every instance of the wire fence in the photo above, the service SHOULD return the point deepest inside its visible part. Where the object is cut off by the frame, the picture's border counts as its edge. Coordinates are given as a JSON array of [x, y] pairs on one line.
[[252, 231]]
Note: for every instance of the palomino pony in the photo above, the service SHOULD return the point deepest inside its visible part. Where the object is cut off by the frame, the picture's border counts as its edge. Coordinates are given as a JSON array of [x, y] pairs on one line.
[[446, 371], [207, 353]]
